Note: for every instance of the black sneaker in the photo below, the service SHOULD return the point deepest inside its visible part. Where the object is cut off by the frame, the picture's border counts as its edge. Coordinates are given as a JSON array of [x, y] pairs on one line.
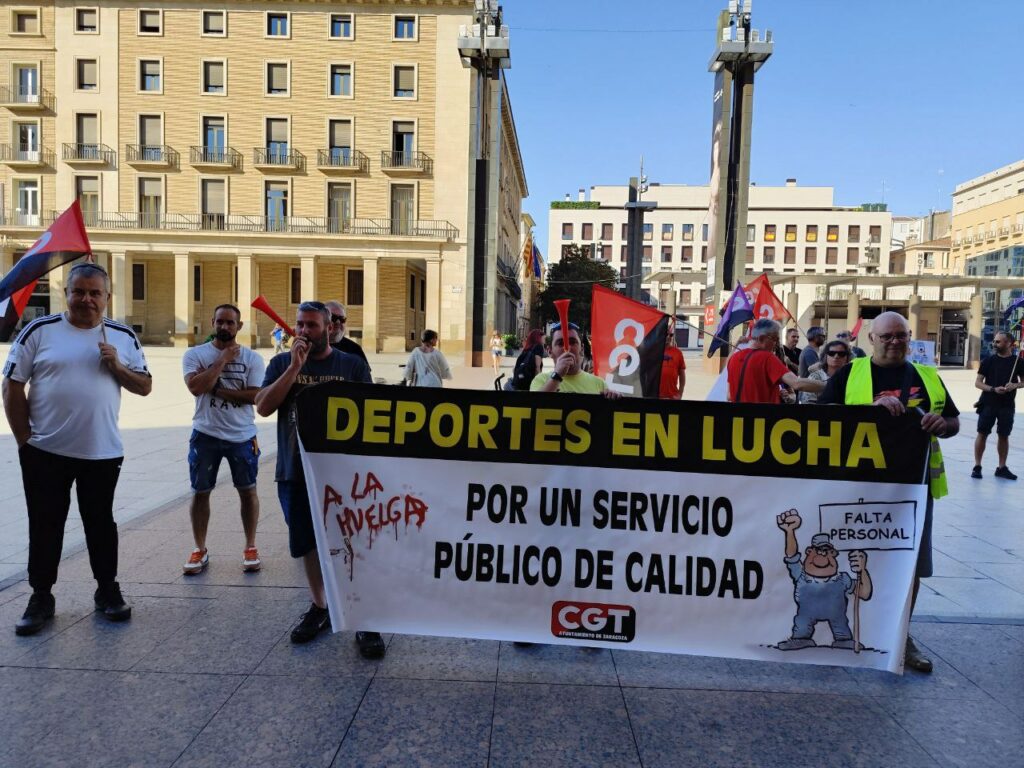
[[1005, 473], [976, 472], [110, 603], [371, 645], [39, 611], [314, 621]]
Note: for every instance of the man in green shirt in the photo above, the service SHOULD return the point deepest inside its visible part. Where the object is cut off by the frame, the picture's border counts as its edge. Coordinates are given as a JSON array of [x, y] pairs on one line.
[[568, 376]]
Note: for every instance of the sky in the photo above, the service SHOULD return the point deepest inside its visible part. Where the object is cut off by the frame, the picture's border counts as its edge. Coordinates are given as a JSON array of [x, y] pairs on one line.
[[893, 101]]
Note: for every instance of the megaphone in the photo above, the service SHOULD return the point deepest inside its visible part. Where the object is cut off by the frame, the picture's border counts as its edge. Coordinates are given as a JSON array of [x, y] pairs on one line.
[[263, 306]]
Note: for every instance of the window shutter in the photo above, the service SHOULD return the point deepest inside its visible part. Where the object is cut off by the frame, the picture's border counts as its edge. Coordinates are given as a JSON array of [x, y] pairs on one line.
[[277, 77], [405, 79], [341, 133], [277, 130]]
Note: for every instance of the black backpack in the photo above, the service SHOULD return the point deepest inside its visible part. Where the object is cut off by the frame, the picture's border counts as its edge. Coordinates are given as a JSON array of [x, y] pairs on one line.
[[525, 369]]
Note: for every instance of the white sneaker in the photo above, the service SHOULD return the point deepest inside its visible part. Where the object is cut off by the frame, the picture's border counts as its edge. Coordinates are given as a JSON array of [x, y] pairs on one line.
[[196, 562]]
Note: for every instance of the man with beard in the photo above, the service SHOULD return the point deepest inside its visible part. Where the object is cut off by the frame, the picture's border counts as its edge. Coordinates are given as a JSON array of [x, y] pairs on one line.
[[311, 360], [339, 318], [820, 590], [224, 378]]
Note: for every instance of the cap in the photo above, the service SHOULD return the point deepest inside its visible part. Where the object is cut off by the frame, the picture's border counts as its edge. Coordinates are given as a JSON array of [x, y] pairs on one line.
[[821, 540]]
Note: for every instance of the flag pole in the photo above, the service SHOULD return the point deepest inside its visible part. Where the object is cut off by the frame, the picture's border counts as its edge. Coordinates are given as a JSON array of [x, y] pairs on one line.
[[698, 329]]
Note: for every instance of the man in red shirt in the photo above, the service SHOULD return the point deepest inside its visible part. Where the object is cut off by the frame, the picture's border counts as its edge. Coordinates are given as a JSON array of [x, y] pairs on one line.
[[673, 370], [756, 372]]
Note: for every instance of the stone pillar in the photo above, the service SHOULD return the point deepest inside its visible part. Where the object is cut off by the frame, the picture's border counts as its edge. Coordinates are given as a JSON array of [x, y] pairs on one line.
[[6, 259], [58, 279], [307, 278], [248, 289], [670, 308], [974, 325], [793, 305], [852, 309], [184, 306], [432, 311], [120, 292], [914, 318], [370, 305]]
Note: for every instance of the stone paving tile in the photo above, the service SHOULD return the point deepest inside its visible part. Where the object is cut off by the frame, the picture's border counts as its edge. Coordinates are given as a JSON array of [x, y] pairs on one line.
[[228, 637], [968, 549], [735, 729], [10, 570], [982, 597], [79, 718], [639, 669], [962, 733], [792, 678], [931, 603], [561, 725], [277, 721], [562, 664], [73, 603], [945, 565], [420, 723], [1007, 574], [441, 658], [1013, 631], [333, 655]]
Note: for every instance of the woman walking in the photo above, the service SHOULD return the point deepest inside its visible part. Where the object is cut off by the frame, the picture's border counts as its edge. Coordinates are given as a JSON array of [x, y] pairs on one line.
[[836, 355], [427, 365], [497, 349]]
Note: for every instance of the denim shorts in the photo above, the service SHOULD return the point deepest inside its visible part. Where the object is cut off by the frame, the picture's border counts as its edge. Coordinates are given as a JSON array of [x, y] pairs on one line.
[[295, 505], [205, 453]]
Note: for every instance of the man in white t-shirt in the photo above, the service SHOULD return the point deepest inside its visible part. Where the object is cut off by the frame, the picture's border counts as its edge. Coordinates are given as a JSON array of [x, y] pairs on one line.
[[66, 428], [224, 377]]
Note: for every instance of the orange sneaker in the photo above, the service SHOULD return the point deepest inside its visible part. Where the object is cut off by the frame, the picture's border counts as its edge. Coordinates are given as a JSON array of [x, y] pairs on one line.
[[196, 562], [251, 560]]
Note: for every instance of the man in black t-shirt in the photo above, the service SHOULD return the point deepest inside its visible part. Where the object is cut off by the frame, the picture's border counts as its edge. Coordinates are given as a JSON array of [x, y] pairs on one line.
[[998, 379], [341, 342], [791, 350]]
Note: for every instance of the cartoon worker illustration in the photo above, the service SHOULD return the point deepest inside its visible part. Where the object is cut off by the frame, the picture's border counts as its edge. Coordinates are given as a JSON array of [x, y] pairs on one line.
[[820, 589]]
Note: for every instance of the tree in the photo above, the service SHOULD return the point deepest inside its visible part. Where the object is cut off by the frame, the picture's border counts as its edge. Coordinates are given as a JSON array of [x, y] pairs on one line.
[[573, 278]]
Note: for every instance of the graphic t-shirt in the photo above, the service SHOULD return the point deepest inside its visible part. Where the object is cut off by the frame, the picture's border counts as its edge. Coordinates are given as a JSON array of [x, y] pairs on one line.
[[671, 365], [73, 399], [214, 416], [337, 367], [886, 381], [581, 383], [761, 379], [996, 371]]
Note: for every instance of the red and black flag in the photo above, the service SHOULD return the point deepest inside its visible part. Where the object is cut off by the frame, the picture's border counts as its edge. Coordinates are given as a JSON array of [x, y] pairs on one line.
[[64, 241], [628, 342]]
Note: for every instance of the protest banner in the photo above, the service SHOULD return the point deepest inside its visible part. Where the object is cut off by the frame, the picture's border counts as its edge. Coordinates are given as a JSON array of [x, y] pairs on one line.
[[684, 527]]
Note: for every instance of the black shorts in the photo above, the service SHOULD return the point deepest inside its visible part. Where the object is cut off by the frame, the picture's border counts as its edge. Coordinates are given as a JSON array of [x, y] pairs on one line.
[[991, 415]]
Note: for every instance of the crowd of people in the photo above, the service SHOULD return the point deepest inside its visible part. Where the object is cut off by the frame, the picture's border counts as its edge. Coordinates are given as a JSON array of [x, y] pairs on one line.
[[65, 440]]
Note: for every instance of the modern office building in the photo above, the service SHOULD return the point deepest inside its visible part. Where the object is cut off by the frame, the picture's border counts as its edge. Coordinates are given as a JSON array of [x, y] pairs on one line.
[[221, 151]]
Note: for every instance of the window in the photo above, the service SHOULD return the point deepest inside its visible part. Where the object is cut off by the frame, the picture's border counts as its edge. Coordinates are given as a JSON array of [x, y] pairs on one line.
[[666, 254], [685, 296], [831, 255], [667, 231], [648, 254], [197, 283], [412, 291], [277, 78], [703, 254], [852, 255], [25, 22], [875, 233], [812, 233], [339, 141], [87, 136], [26, 192], [215, 23], [404, 81], [622, 273], [149, 75], [768, 255], [86, 75], [295, 285], [354, 287], [277, 139], [87, 191], [214, 140], [789, 255], [810, 255], [588, 232], [567, 231], [151, 202], [607, 232], [213, 77], [341, 80], [214, 201], [150, 22], [791, 233], [648, 231], [704, 232], [27, 140], [277, 25], [87, 21], [769, 233], [151, 137], [749, 255], [625, 232], [687, 232], [405, 27], [853, 233], [27, 77], [622, 252], [604, 252], [403, 208], [339, 206], [341, 26], [275, 199], [832, 234], [139, 281], [686, 254], [751, 232]]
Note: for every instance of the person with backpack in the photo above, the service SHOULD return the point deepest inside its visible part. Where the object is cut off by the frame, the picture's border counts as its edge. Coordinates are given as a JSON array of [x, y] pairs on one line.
[[529, 363]]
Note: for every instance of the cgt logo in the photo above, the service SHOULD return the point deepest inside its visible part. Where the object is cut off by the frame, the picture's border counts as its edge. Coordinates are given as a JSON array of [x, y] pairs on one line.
[[593, 621]]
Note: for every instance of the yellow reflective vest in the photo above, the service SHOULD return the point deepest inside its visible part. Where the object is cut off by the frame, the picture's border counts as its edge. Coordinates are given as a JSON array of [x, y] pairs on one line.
[[860, 392]]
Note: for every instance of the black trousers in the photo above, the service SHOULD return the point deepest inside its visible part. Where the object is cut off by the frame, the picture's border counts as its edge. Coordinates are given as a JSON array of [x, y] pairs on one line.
[[47, 478]]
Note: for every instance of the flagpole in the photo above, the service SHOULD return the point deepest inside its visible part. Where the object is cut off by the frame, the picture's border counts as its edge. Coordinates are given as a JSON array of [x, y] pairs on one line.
[[698, 329]]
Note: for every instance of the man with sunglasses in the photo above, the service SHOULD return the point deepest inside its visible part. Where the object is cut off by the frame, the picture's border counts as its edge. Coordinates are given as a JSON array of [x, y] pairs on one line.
[[341, 342], [847, 336], [889, 380], [310, 361], [998, 379]]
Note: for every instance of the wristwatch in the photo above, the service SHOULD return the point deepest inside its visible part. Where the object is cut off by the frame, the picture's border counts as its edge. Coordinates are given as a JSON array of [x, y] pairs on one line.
[[556, 376]]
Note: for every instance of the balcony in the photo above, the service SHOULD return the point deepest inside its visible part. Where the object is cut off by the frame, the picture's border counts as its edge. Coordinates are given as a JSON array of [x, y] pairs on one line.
[[1004, 232], [20, 156], [220, 222], [21, 218], [152, 156], [268, 159], [28, 101], [223, 158], [406, 163], [342, 160], [88, 154]]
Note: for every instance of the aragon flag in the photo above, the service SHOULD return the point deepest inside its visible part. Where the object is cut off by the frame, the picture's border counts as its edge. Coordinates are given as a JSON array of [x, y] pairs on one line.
[[64, 241], [628, 343]]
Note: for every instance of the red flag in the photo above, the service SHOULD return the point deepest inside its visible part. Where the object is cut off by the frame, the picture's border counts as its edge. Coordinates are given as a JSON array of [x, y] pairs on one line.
[[628, 342], [65, 240], [856, 329], [763, 299]]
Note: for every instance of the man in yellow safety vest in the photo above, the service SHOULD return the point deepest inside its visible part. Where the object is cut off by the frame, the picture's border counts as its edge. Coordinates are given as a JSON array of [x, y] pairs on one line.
[[889, 380]]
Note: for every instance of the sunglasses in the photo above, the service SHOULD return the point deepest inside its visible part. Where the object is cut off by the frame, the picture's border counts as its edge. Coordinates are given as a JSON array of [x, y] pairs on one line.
[[338, 319], [836, 353]]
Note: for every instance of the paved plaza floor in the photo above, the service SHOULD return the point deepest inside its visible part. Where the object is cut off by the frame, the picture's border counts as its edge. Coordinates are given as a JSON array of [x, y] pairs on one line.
[[205, 675]]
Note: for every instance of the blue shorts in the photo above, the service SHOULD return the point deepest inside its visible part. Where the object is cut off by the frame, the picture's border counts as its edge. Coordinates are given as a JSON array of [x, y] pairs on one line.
[[295, 505], [205, 453]]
